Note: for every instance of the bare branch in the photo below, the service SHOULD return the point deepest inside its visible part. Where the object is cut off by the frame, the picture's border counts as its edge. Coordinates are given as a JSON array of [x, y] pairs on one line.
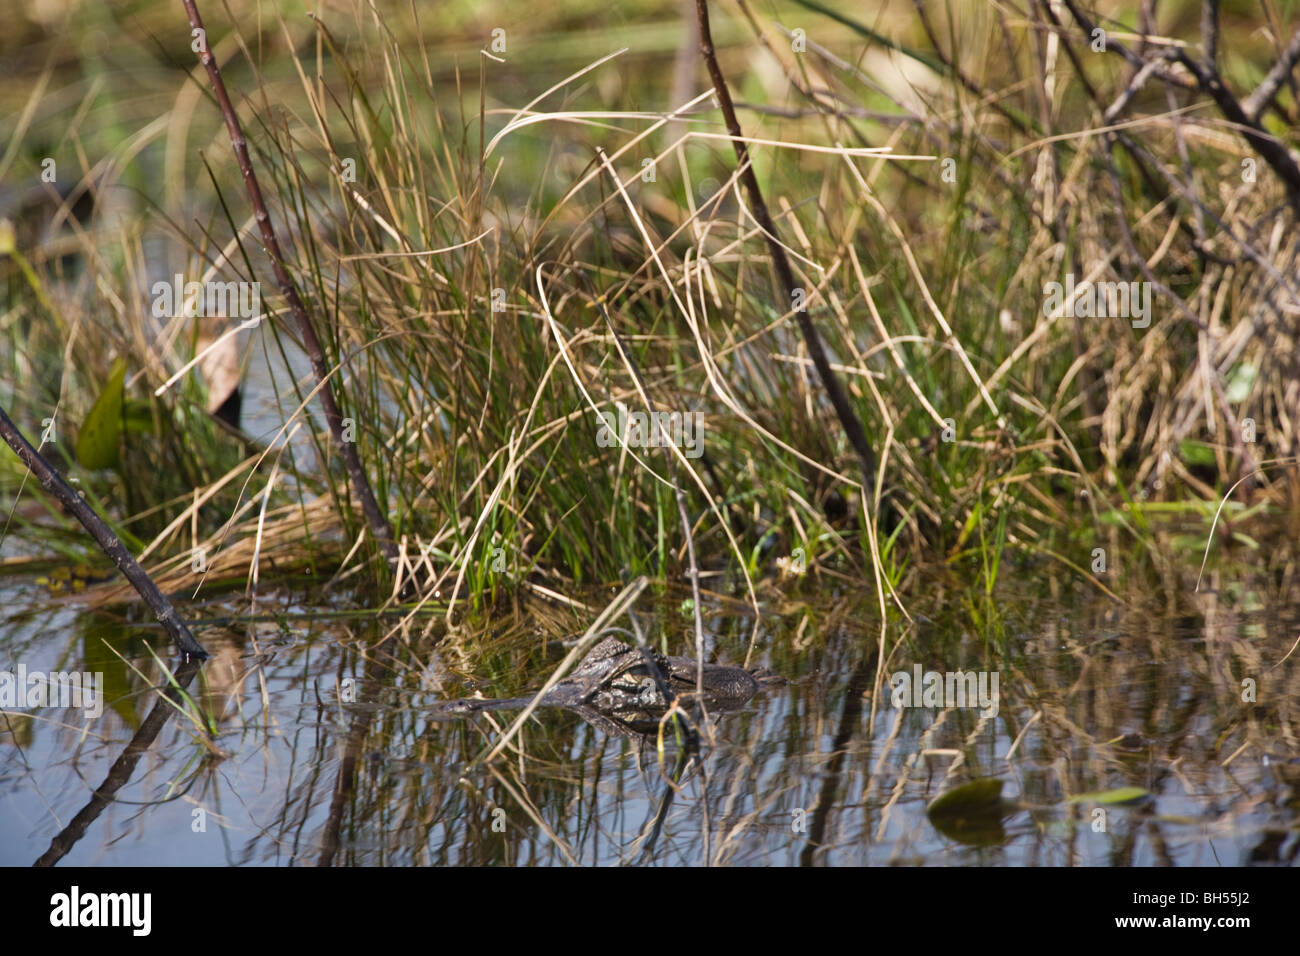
[[1255, 104], [1210, 35], [311, 343], [1269, 148], [108, 542], [785, 275]]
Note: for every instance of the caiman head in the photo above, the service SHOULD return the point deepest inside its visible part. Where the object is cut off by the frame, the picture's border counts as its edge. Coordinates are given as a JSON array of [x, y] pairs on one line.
[[615, 688]]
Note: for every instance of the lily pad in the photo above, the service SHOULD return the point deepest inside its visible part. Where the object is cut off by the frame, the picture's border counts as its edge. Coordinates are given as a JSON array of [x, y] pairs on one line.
[[972, 813], [1119, 795], [977, 798]]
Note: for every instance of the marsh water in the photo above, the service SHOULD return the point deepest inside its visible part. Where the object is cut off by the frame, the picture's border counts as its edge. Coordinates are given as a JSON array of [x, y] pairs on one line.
[[1157, 726]]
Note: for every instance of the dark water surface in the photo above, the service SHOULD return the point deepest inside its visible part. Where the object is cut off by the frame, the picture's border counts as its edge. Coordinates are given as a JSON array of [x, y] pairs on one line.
[[1093, 695]]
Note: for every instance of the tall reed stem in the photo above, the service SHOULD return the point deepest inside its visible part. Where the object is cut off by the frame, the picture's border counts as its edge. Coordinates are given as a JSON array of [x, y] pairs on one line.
[[311, 343], [785, 275]]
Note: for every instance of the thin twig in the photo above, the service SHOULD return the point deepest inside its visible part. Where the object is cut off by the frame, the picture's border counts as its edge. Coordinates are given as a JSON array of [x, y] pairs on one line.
[[311, 343], [1265, 143], [852, 425], [1269, 148], [1255, 104], [1210, 35], [108, 542]]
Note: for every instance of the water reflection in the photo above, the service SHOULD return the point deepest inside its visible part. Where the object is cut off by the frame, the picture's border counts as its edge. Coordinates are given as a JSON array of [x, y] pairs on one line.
[[1158, 732]]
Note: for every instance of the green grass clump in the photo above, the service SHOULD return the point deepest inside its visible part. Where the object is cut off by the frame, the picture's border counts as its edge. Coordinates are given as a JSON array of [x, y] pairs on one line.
[[459, 224]]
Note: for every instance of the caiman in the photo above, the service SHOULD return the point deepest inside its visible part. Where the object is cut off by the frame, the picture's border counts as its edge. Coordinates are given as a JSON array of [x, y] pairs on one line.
[[615, 689]]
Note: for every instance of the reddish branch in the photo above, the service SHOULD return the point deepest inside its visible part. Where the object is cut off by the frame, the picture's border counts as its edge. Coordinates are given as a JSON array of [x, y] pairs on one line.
[[852, 425], [311, 343], [1244, 114]]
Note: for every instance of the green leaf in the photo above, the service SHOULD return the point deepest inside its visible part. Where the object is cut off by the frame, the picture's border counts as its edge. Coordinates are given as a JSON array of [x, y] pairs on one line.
[[137, 418], [1116, 796], [1196, 452], [99, 439]]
